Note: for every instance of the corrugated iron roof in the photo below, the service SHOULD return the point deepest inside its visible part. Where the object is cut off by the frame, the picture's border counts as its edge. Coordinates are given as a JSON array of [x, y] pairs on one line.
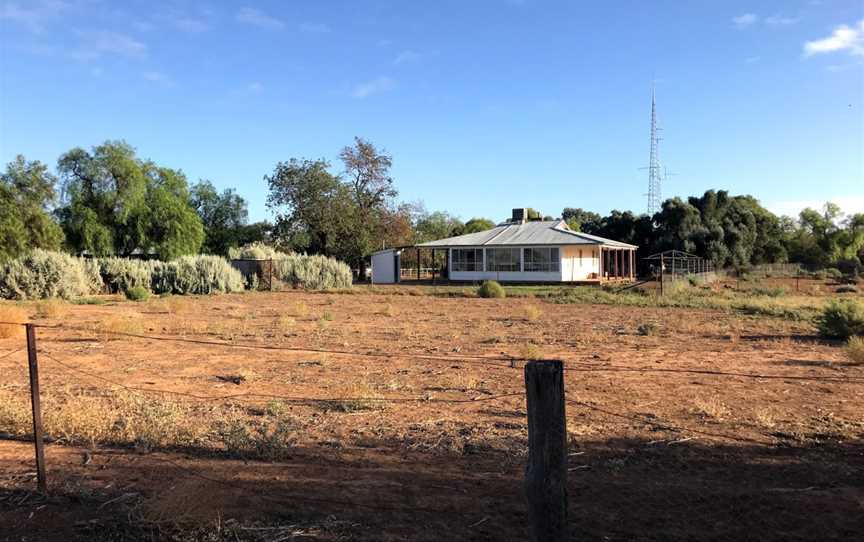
[[553, 232]]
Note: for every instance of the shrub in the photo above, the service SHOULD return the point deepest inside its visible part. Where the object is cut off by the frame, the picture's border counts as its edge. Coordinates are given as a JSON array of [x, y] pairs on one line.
[[847, 289], [255, 251], [196, 275], [42, 274], [121, 274], [491, 289], [137, 293], [93, 275], [833, 273], [855, 349], [51, 308], [312, 272], [842, 319]]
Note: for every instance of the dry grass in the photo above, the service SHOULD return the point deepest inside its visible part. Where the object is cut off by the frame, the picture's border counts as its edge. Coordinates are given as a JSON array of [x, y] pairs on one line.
[[177, 304], [765, 417], [532, 313], [531, 352], [109, 328], [710, 408], [855, 349], [286, 324], [51, 308], [188, 326], [300, 310], [387, 310], [12, 313]]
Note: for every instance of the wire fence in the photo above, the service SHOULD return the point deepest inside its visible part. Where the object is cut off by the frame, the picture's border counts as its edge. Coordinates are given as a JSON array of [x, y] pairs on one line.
[[63, 363]]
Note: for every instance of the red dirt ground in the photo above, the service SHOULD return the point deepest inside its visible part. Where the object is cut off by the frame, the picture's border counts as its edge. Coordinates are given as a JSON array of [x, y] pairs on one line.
[[717, 426]]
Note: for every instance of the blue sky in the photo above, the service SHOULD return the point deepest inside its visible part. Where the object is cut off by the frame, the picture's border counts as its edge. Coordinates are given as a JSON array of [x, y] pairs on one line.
[[484, 104]]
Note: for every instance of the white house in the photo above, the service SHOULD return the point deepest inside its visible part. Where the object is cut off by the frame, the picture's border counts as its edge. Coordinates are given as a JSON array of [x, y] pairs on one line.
[[523, 251]]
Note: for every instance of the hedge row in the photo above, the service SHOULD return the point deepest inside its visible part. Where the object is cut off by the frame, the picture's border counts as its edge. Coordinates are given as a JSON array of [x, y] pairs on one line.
[[299, 270]]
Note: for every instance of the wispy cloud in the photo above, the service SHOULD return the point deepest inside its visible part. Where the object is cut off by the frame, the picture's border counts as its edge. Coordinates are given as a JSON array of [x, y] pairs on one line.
[[104, 42], [752, 59], [843, 38], [156, 77], [314, 28], [375, 86], [407, 57], [35, 15], [745, 20], [781, 20], [258, 18], [255, 88]]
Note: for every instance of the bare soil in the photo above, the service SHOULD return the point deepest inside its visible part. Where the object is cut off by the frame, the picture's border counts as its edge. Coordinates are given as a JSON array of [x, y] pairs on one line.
[[714, 426]]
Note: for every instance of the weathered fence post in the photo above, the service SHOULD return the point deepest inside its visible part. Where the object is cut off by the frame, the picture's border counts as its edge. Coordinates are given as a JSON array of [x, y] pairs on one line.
[[546, 473], [35, 403]]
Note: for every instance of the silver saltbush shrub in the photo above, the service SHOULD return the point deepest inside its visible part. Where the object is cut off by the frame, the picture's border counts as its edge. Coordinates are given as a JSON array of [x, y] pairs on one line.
[[121, 274], [312, 272], [196, 275], [44, 274], [93, 275], [255, 251]]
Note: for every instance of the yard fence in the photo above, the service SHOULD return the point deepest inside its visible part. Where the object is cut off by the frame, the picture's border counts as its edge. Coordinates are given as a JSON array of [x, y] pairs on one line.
[[544, 389]]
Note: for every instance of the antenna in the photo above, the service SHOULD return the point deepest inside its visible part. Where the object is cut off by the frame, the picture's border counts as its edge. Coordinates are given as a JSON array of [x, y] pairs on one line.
[[655, 173]]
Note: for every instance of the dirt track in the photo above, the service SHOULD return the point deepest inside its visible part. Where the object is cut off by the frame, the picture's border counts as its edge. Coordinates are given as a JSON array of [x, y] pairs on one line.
[[717, 426]]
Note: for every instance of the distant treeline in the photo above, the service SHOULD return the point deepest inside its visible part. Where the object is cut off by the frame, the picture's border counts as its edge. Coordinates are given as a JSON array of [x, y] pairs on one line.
[[108, 201]]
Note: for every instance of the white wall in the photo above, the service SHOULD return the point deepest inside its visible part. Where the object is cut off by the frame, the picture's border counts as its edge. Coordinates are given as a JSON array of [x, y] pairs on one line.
[[384, 267], [574, 268]]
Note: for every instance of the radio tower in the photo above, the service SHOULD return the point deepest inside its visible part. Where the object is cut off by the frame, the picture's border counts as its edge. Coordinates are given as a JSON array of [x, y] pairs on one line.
[[655, 172]]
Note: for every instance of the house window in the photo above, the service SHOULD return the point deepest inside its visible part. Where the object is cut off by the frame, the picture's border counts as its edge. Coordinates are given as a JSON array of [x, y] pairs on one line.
[[542, 259], [467, 259], [503, 259]]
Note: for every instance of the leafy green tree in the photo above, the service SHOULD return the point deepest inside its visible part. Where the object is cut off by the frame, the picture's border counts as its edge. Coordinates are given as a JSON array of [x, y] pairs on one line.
[[27, 192], [579, 219], [116, 203], [224, 215], [437, 225], [476, 225]]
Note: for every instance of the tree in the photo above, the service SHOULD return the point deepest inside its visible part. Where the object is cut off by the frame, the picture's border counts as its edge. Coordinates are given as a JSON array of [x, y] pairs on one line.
[[368, 174], [476, 225], [27, 192], [579, 219], [436, 225], [314, 210], [225, 217], [116, 203]]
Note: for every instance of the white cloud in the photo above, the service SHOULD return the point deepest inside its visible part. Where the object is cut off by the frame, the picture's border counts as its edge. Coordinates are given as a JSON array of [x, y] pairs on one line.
[[407, 57], [745, 20], [314, 28], [105, 42], [156, 77], [375, 86], [35, 14], [258, 18], [843, 38], [781, 20], [848, 204]]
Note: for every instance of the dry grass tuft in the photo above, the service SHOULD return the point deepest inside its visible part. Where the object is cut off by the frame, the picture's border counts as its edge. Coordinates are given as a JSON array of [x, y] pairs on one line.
[[531, 352], [711, 408], [177, 304], [286, 324], [51, 308], [532, 313], [765, 418], [110, 327], [301, 310], [387, 310], [12, 313], [855, 349]]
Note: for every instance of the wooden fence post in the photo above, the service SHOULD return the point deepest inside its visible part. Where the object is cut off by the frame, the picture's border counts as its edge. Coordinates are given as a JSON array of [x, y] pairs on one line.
[[546, 473], [35, 403]]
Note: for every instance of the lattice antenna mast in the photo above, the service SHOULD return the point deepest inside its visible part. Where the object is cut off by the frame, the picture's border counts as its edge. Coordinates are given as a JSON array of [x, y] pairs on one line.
[[655, 171]]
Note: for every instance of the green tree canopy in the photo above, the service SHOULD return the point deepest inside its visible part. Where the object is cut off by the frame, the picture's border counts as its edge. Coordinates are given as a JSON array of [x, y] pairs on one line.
[[27, 193], [224, 215], [116, 203]]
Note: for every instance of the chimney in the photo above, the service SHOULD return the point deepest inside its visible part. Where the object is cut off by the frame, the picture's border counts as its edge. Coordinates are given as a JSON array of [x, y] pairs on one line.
[[520, 216]]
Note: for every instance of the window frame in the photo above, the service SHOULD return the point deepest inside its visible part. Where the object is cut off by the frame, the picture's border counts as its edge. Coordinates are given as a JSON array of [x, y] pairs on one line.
[[461, 265], [552, 263], [492, 266]]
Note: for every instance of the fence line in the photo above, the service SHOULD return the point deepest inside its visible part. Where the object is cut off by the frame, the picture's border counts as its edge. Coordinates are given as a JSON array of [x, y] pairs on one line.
[[286, 399]]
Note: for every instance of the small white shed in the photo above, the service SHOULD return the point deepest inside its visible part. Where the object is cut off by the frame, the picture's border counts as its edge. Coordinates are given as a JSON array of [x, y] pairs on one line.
[[385, 266]]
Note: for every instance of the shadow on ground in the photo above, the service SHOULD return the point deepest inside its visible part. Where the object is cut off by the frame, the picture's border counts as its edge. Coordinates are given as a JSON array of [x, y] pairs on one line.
[[620, 489]]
